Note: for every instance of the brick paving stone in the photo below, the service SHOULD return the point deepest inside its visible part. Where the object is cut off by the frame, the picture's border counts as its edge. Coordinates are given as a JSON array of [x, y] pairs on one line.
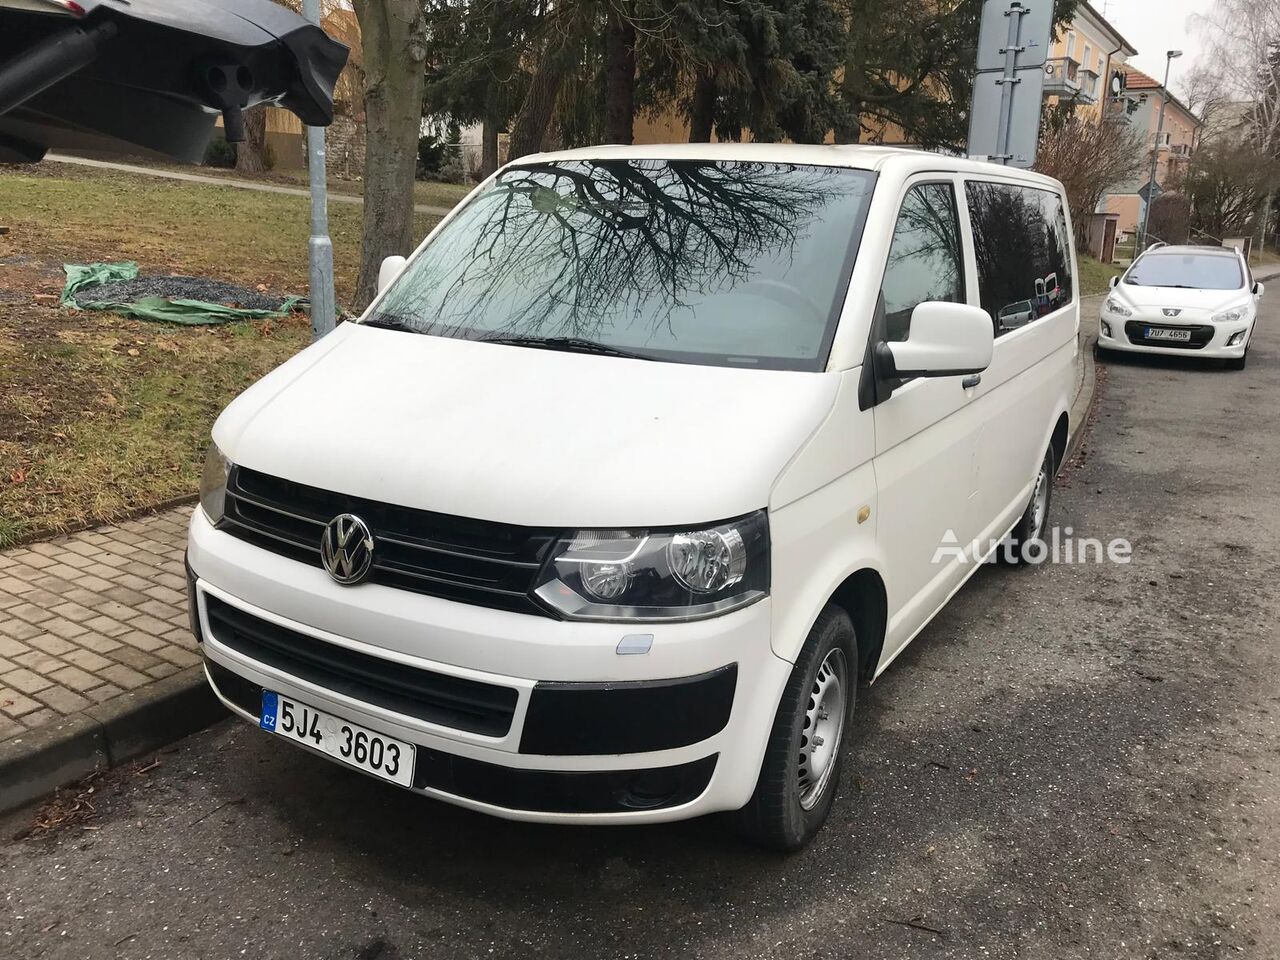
[[149, 624], [61, 699], [75, 678], [97, 642], [107, 626], [35, 560], [162, 611], [93, 583], [30, 613], [134, 658], [140, 639], [54, 646], [39, 718], [123, 676], [16, 629], [15, 704], [87, 660], [10, 728], [128, 590], [24, 681], [11, 648], [161, 670], [103, 693], [37, 661], [74, 612], [177, 655], [59, 628]]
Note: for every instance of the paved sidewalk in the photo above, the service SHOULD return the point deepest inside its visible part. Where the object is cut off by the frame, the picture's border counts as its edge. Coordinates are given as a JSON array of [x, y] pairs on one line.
[[86, 617], [233, 182]]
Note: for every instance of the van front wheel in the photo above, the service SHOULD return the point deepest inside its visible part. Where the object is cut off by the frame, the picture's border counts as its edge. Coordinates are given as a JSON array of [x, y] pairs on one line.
[[1035, 519], [801, 769]]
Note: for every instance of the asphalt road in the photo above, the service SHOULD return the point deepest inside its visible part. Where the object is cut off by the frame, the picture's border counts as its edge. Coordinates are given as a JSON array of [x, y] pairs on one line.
[[1072, 761]]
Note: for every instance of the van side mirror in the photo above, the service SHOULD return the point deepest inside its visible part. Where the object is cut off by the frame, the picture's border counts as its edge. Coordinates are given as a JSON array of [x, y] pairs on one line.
[[389, 270], [1258, 290], [945, 340], [1113, 282]]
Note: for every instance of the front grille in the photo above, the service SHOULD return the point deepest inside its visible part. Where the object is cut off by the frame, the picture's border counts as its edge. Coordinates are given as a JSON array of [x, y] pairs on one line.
[[461, 704], [1201, 334], [473, 561]]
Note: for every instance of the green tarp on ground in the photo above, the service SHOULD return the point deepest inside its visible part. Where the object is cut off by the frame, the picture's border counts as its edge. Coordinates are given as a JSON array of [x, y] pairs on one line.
[[164, 309]]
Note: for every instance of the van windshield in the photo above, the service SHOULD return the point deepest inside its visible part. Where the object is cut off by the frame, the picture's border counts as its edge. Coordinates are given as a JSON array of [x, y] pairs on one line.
[[1196, 271], [729, 263]]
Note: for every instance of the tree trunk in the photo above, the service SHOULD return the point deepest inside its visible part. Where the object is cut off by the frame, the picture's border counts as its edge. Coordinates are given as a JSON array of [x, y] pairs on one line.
[[619, 78], [489, 132], [252, 155], [530, 127], [393, 42], [702, 109]]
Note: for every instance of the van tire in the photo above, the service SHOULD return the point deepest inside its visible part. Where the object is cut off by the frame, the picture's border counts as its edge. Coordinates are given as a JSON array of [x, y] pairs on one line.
[[776, 816], [1030, 526]]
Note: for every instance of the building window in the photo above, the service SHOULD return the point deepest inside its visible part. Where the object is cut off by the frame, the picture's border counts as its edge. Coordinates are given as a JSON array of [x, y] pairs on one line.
[[1071, 46]]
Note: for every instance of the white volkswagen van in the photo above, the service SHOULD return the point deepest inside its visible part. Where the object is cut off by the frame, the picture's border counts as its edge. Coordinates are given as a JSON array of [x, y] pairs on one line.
[[635, 471]]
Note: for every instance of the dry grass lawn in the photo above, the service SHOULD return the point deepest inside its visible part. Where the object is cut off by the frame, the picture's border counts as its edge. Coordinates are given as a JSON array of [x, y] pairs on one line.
[[101, 415]]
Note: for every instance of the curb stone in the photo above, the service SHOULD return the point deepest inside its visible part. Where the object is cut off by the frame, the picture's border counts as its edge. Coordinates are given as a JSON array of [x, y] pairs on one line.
[[35, 764]]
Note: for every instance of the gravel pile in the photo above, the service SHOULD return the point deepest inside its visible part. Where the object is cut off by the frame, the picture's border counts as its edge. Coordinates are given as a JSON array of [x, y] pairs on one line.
[[179, 288]]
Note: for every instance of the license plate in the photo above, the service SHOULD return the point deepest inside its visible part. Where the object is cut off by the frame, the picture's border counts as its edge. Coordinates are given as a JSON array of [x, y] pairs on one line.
[[1161, 333], [349, 742]]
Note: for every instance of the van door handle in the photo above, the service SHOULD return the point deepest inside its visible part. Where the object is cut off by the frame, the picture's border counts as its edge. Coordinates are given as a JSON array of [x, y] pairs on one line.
[[969, 383]]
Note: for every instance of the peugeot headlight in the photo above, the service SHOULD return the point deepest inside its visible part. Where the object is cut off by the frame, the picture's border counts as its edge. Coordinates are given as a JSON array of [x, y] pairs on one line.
[[213, 483], [1116, 308], [658, 574], [1232, 315]]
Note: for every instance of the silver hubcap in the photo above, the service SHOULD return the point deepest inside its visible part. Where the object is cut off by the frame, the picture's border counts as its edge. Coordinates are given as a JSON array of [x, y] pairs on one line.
[[823, 728], [1039, 503]]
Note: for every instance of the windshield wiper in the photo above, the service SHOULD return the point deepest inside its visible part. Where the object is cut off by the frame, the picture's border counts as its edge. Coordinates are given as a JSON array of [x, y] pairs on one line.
[[567, 344], [386, 321]]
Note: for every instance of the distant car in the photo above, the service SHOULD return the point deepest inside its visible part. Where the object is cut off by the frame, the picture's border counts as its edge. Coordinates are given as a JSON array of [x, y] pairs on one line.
[[1016, 315], [1183, 300]]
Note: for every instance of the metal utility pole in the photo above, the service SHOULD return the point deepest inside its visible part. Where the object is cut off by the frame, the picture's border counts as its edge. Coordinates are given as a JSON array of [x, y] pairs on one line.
[[319, 247], [1155, 154], [1007, 82]]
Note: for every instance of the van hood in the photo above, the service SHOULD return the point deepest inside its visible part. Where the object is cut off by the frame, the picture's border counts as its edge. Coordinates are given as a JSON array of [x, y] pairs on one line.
[[521, 435]]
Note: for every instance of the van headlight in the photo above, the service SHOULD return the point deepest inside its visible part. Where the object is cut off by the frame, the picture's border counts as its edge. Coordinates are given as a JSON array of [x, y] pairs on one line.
[[213, 484], [658, 574], [1116, 308]]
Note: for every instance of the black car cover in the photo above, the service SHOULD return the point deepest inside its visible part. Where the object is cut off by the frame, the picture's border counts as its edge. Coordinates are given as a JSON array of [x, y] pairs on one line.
[[154, 74]]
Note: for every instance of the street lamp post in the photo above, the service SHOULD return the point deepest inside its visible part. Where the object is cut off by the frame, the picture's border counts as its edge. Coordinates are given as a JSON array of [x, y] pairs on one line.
[[319, 247], [1155, 152]]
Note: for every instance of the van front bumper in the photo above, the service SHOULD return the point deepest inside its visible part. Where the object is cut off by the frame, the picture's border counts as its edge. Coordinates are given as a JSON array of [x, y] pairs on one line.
[[517, 715]]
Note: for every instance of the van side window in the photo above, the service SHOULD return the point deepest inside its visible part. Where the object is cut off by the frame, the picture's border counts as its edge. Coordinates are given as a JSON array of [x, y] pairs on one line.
[[1023, 250], [925, 262]]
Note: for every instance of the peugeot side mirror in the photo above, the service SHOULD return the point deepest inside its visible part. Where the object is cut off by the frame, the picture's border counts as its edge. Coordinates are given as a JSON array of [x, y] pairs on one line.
[[1258, 290], [945, 340], [1113, 282], [389, 270]]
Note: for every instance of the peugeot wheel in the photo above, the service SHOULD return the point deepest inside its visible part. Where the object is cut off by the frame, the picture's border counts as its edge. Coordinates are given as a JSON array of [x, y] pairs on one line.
[[801, 770]]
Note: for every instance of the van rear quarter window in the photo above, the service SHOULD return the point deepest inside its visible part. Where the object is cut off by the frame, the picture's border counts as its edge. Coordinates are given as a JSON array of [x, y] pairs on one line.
[[729, 262], [1023, 250]]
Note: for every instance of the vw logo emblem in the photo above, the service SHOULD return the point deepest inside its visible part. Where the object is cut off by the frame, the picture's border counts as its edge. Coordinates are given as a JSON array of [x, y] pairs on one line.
[[1171, 312], [346, 549]]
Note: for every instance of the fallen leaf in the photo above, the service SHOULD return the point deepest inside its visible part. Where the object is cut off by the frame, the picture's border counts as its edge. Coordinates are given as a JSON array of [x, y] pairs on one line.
[[18, 476], [133, 351]]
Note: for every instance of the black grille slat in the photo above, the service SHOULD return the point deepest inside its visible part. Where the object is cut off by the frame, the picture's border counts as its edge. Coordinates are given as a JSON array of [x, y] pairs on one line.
[[454, 702], [473, 561]]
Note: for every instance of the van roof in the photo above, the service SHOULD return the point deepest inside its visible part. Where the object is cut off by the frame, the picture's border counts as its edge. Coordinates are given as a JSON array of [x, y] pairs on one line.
[[857, 156]]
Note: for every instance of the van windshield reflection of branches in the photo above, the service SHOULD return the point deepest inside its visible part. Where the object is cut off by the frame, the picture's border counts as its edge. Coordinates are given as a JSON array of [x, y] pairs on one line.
[[711, 258]]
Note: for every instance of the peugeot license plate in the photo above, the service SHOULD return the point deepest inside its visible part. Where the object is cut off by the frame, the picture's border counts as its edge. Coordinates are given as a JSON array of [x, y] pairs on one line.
[[1165, 333], [349, 742]]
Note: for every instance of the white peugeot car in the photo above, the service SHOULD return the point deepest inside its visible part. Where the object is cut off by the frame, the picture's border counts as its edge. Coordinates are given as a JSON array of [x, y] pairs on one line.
[[1184, 301], [635, 471]]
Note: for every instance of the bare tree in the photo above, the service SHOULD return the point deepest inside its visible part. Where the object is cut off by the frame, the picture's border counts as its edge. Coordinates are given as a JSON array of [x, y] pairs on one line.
[[253, 155], [1089, 157], [1242, 55]]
